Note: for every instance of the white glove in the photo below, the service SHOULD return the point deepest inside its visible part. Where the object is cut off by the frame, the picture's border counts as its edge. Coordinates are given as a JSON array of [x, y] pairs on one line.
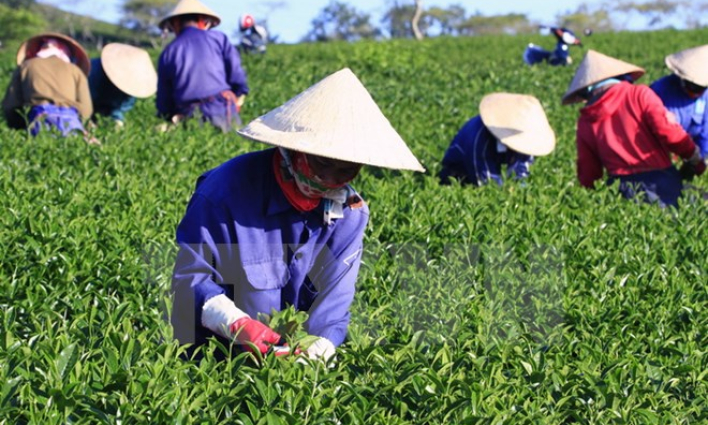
[[218, 313], [321, 349]]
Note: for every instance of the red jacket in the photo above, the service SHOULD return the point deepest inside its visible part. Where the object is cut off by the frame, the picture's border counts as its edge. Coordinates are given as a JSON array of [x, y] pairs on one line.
[[627, 131]]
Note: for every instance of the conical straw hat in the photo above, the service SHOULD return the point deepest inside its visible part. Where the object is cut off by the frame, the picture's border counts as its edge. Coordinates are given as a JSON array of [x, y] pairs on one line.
[[690, 64], [594, 68], [31, 46], [191, 7], [130, 69], [519, 122], [335, 118]]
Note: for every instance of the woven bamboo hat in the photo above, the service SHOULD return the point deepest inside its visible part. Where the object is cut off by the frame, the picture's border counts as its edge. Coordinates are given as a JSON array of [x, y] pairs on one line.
[[190, 7], [519, 122], [594, 68], [690, 64], [130, 69], [31, 46], [335, 118]]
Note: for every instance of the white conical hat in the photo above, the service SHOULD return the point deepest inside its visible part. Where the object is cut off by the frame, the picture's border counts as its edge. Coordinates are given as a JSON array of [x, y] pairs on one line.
[[335, 118], [519, 122], [190, 7], [690, 64], [130, 69], [594, 68]]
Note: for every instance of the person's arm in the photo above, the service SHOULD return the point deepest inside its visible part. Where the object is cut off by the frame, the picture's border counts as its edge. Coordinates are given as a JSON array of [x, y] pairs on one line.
[[235, 74], [12, 103], [83, 97], [589, 166], [334, 276], [124, 105], [520, 165], [205, 242], [164, 100], [663, 124]]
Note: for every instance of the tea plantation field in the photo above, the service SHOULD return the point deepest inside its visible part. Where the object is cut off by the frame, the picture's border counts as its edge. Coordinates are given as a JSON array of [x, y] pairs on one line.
[[521, 304]]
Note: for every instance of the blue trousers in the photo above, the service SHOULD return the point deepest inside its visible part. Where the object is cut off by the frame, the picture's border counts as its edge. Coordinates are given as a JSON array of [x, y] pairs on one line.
[[216, 110], [63, 118], [658, 186]]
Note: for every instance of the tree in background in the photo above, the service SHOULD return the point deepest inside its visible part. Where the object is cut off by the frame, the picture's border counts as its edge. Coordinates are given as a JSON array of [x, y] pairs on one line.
[[17, 4], [597, 20], [512, 23], [416, 19], [398, 20], [142, 16], [19, 24], [340, 21], [449, 21]]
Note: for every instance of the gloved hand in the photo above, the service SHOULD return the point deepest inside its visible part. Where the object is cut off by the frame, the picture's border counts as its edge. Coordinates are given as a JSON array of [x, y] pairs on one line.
[[693, 166], [246, 330], [322, 349]]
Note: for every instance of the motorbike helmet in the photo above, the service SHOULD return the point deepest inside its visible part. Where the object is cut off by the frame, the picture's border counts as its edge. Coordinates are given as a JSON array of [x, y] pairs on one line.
[[246, 22]]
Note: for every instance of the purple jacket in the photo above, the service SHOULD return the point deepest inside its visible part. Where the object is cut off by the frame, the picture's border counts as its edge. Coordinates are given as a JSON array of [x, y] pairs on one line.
[[196, 65], [241, 237]]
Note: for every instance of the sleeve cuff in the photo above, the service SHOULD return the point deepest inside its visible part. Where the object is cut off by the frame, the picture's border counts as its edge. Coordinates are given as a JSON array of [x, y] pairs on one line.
[[218, 313]]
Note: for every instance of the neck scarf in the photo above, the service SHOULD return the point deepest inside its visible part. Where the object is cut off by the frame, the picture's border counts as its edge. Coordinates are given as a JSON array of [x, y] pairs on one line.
[[57, 49], [305, 193]]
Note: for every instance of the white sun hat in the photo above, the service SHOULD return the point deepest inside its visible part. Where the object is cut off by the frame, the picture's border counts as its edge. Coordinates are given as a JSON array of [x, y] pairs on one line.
[[594, 68], [130, 69], [335, 118], [690, 64], [519, 122], [190, 7]]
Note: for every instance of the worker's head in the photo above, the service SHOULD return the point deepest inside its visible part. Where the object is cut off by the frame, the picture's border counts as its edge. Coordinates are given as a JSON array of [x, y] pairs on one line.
[[690, 67], [246, 22], [595, 69], [189, 13]]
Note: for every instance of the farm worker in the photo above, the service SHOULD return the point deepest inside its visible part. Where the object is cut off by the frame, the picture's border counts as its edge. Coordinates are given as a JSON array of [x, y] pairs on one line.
[[283, 227], [254, 37], [684, 92], [200, 70], [625, 129], [50, 80], [121, 74], [510, 130]]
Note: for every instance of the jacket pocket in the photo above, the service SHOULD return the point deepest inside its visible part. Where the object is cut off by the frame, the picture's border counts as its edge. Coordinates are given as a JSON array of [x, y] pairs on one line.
[[267, 275]]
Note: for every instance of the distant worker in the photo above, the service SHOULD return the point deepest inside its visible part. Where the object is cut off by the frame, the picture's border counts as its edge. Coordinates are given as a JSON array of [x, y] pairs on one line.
[[254, 37], [684, 92], [509, 130], [200, 70], [120, 75], [51, 82], [625, 129]]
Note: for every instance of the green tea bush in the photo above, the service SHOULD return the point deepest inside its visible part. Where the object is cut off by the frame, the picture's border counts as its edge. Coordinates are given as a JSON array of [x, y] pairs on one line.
[[528, 303]]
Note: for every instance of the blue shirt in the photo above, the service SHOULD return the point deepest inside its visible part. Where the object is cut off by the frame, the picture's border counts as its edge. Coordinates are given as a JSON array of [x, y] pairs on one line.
[[107, 99], [690, 113], [197, 65], [241, 237], [474, 156]]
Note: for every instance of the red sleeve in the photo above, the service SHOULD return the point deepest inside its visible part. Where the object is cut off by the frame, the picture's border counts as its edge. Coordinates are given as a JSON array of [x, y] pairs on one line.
[[663, 124], [589, 167]]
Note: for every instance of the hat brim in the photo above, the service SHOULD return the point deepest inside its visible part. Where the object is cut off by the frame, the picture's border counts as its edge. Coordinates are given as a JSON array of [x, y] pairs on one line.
[[130, 69], [519, 122], [29, 48]]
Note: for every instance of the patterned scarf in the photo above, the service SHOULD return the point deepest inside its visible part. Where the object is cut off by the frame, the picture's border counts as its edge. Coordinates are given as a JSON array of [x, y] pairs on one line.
[[304, 190]]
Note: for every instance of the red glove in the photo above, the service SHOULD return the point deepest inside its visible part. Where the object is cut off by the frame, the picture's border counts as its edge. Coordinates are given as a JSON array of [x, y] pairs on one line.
[[247, 330]]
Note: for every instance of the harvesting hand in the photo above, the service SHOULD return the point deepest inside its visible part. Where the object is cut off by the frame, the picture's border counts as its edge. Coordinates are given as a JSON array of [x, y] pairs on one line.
[[693, 166], [221, 316], [249, 331], [321, 349]]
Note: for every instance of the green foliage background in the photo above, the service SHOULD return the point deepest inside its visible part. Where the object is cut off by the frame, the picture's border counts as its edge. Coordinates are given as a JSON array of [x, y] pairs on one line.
[[537, 303]]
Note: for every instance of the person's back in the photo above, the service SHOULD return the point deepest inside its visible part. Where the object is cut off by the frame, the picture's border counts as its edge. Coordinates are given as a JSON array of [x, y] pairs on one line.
[[200, 70], [684, 92]]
